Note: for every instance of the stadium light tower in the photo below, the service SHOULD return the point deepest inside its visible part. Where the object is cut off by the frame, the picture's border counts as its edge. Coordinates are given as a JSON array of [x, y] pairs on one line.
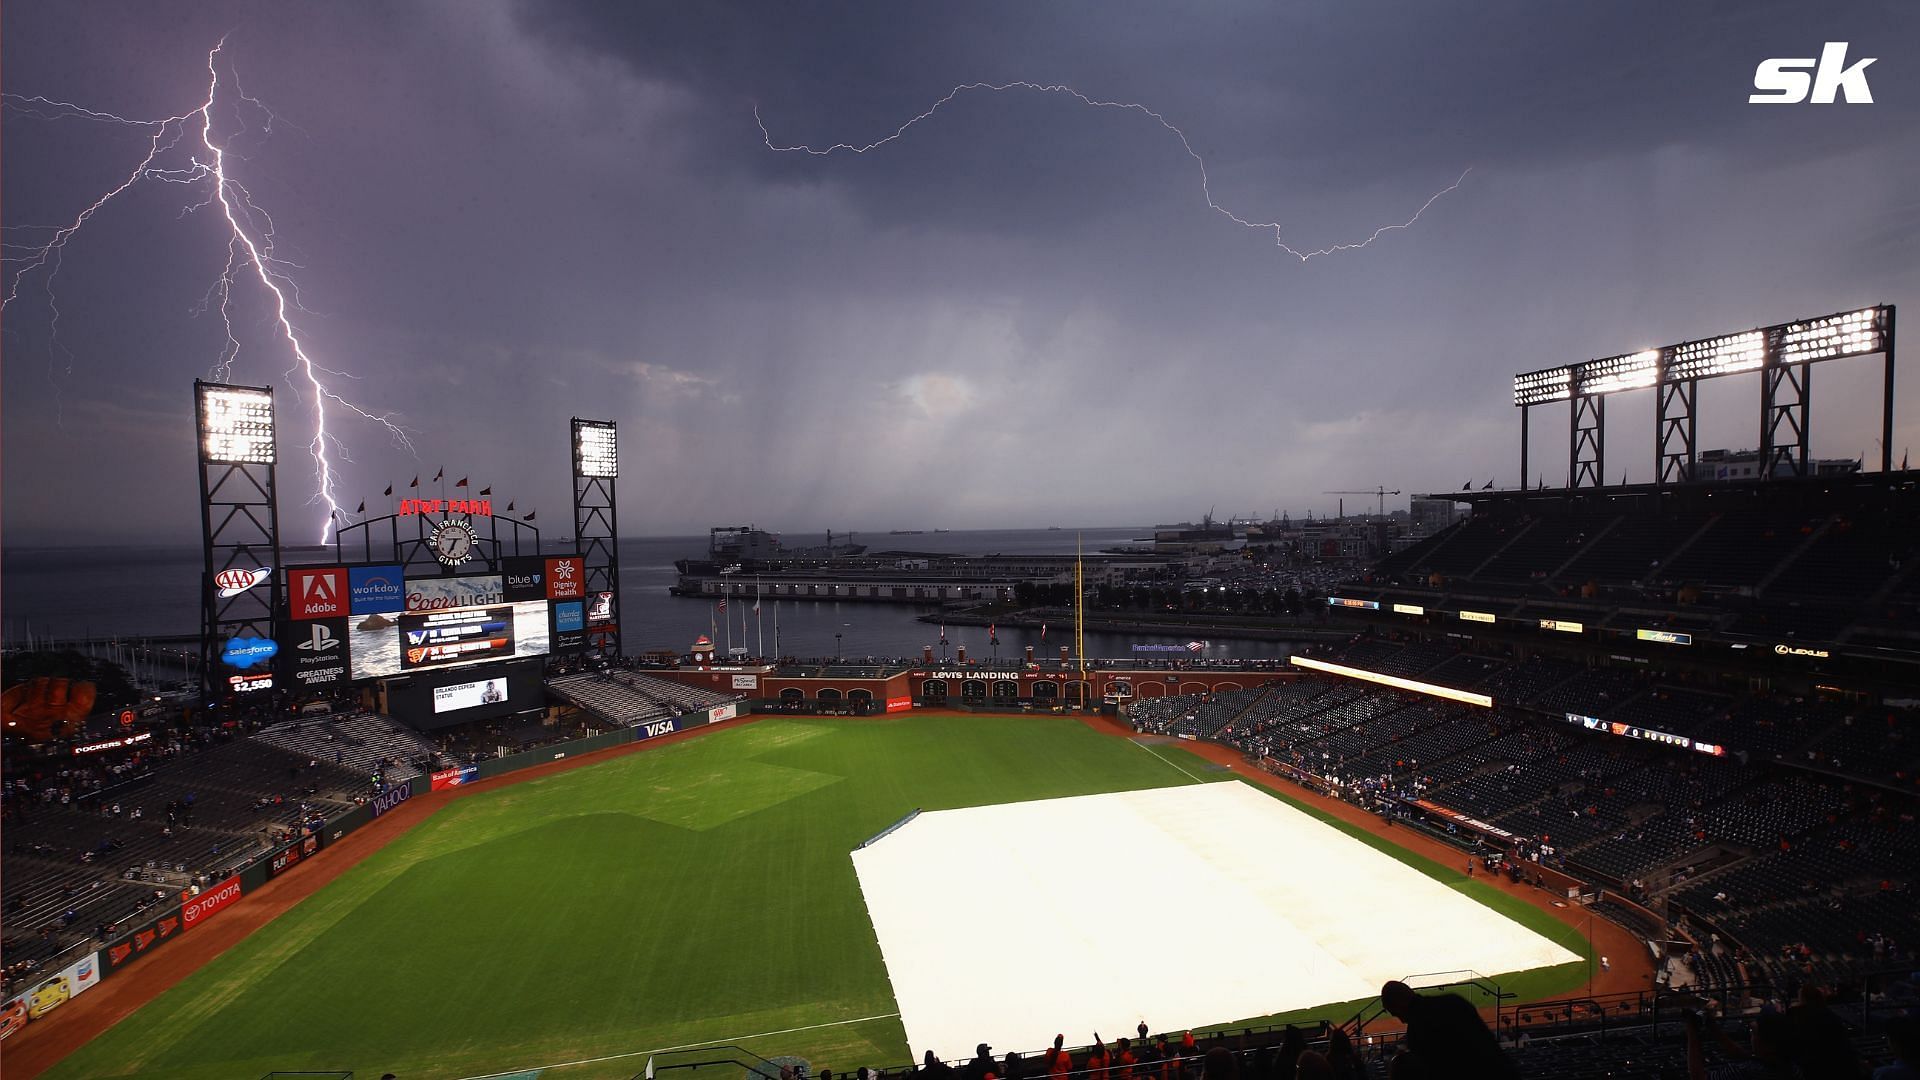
[[1783, 355], [596, 471], [240, 536]]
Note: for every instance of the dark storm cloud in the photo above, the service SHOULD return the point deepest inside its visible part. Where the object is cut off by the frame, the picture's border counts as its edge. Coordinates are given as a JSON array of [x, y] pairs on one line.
[[1022, 312], [1315, 94]]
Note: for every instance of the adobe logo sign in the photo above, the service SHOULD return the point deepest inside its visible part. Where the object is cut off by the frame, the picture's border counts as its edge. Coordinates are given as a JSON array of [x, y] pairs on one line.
[[317, 594]]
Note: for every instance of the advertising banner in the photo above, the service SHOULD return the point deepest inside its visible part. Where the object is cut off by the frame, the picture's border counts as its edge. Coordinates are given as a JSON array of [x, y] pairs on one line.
[[435, 594], [894, 704], [391, 798], [114, 744], [1456, 816], [142, 940], [245, 653], [524, 577], [210, 902], [566, 578], [317, 593], [447, 778], [746, 682], [722, 712], [655, 729], [376, 589], [569, 625], [50, 993], [313, 654], [600, 609], [292, 855]]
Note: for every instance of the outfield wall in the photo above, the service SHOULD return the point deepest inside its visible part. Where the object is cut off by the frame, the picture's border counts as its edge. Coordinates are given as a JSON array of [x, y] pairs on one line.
[[190, 910]]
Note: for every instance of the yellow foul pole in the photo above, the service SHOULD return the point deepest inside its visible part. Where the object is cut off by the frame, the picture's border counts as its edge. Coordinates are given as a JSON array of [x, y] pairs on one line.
[[1080, 615]]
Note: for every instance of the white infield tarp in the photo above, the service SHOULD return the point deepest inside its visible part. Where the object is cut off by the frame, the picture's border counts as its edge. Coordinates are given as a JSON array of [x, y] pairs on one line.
[[1181, 906]]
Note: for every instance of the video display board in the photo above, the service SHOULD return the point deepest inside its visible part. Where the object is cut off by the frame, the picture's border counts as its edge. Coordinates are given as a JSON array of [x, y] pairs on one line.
[[383, 645], [429, 699], [470, 695], [371, 621]]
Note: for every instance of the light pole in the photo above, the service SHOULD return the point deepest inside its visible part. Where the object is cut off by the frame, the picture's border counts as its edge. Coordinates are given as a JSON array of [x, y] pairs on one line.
[[1590, 952]]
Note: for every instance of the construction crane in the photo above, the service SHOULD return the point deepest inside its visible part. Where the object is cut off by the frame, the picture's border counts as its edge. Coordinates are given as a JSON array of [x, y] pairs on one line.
[[1381, 492]]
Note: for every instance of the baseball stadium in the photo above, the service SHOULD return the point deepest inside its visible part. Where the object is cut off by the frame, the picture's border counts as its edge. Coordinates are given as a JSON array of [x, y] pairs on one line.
[[1531, 795]]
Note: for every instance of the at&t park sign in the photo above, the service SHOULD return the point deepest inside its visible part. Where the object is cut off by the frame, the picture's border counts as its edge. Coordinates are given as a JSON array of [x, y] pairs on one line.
[[469, 507]]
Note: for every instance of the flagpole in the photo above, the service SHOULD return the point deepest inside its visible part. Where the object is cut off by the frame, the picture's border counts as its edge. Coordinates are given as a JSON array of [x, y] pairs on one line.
[[759, 625]]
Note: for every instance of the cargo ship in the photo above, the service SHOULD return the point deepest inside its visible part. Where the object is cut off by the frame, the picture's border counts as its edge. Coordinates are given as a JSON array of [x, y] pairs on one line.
[[745, 549]]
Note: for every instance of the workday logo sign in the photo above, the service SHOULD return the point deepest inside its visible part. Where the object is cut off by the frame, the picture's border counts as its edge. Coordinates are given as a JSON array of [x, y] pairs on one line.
[[1786, 81]]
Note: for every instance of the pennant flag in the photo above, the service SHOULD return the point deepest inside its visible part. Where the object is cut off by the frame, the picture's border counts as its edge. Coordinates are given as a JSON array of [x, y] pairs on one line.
[[416, 481], [529, 516], [462, 483], [943, 631], [439, 475], [389, 490], [486, 491], [990, 632], [1468, 486], [1489, 486], [509, 504], [363, 507], [1043, 631]]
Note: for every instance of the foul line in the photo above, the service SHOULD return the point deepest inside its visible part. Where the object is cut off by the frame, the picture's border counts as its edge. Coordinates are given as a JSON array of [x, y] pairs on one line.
[[1168, 760], [684, 1046]]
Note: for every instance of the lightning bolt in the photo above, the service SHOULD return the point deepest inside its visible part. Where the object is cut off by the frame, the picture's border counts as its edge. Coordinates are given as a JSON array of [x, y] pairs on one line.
[[250, 254], [1206, 189]]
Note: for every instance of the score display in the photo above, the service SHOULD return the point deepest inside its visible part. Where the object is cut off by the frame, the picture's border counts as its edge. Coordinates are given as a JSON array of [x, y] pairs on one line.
[[439, 638], [383, 645]]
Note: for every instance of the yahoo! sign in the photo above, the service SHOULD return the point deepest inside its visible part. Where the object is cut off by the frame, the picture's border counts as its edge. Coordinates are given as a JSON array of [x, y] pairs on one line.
[[391, 798]]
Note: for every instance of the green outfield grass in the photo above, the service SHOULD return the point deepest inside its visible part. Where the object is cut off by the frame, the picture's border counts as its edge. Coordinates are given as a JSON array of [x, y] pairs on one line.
[[699, 891]]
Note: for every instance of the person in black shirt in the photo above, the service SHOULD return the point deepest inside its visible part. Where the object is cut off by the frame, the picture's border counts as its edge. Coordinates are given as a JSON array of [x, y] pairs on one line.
[[1446, 1033]]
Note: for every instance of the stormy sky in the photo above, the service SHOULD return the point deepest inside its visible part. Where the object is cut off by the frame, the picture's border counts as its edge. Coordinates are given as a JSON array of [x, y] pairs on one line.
[[1020, 313]]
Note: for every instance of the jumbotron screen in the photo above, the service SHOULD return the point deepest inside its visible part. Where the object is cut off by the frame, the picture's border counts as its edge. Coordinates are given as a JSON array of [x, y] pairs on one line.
[[382, 645]]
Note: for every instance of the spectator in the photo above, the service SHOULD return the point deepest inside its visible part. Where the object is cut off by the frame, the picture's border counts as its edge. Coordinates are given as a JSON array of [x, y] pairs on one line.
[[1447, 1034], [981, 1065], [1343, 1058], [932, 1068], [1292, 1045], [1220, 1064], [1058, 1062]]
